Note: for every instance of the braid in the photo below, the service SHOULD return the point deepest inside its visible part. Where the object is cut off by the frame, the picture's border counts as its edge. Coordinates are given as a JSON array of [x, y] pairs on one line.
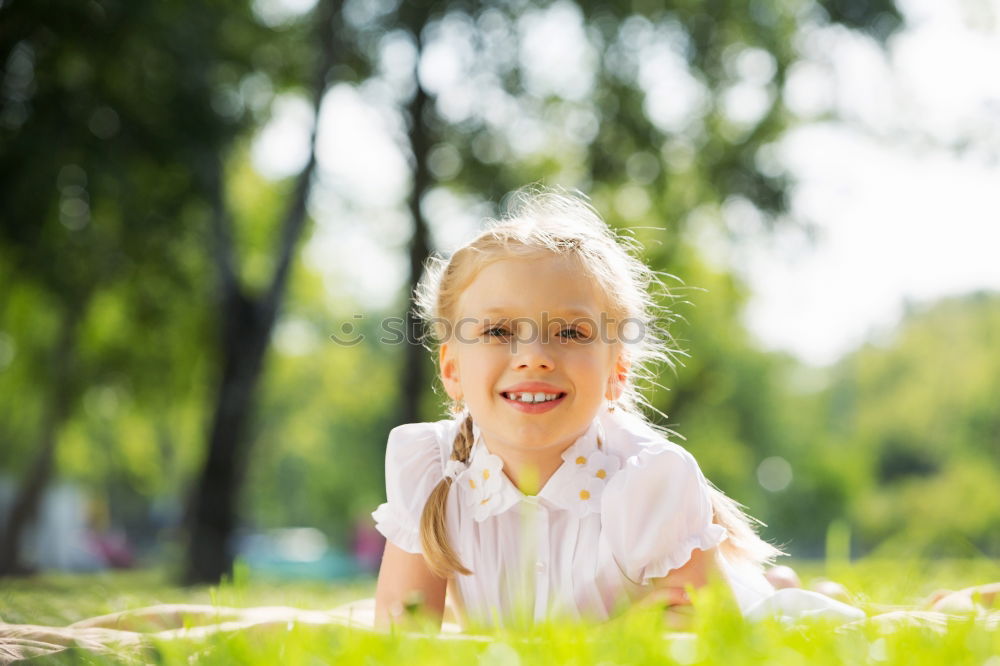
[[462, 447], [438, 553]]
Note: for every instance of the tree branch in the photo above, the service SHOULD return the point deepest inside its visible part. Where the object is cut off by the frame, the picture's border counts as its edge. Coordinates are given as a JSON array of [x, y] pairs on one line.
[[222, 237], [295, 215]]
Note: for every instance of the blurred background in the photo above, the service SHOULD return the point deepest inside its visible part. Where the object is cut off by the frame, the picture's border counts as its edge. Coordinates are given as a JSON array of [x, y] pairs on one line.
[[210, 210]]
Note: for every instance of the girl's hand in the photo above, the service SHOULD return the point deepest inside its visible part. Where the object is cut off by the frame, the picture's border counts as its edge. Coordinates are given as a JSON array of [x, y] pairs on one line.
[[408, 593], [671, 590], [980, 598]]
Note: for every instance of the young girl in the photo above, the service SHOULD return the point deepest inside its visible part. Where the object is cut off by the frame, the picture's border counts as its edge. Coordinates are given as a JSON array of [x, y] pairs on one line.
[[548, 494]]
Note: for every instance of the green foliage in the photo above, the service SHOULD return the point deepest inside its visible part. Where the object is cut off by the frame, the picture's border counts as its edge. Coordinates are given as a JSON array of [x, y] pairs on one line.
[[919, 417], [112, 117], [898, 441], [105, 222], [901, 445]]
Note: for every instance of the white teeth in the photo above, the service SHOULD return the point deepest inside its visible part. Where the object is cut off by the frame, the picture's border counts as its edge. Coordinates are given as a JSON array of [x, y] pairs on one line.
[[532, 397]]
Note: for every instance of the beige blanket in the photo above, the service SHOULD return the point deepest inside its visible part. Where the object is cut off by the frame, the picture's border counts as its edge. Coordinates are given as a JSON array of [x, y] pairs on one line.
[[131, 634]]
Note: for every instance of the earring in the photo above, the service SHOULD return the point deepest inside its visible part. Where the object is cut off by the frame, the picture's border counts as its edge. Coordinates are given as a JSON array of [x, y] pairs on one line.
[[618, 387]]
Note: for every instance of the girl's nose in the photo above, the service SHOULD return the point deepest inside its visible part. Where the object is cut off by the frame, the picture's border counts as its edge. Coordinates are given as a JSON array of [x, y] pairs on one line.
[[532, 353]]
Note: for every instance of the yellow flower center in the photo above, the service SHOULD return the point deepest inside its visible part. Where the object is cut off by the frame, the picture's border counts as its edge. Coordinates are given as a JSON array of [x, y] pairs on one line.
[[486, 474], [601, 474], [581, 460], [485, 500], [472, 483], [585, 494]]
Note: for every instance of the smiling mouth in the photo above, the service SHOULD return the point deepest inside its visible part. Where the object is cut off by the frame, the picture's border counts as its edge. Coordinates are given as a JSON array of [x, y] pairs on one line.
[[532, 398]]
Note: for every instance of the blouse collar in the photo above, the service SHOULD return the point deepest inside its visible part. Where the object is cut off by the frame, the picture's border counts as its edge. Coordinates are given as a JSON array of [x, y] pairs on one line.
[[576, 486]]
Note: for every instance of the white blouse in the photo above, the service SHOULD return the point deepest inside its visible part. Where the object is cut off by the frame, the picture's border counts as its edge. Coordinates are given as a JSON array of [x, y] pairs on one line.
[[608, 521]]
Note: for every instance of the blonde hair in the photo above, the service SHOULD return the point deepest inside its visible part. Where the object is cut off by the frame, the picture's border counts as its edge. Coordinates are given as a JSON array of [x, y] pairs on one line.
[[539, 223]]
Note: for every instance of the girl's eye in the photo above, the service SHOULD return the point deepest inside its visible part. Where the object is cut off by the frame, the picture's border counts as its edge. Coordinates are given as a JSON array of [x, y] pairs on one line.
[[496, 332], [572, 334]]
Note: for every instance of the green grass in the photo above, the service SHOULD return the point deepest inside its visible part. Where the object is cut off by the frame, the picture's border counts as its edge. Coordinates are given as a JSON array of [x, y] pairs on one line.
[[719, 636], [60, 599]]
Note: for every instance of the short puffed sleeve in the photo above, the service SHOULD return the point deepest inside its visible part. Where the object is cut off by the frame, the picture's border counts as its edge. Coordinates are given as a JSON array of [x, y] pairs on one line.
[[412, 470], [656, 511]]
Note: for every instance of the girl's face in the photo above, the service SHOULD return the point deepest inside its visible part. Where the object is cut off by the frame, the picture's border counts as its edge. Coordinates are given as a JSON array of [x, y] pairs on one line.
[[539, 327]]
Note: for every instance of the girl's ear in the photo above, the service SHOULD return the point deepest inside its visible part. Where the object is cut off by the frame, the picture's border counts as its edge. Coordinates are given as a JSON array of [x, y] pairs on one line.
[[448, 365]]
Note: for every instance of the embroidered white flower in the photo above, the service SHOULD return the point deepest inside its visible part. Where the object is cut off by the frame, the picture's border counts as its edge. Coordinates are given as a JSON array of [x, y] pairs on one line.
[[483, 475], [587, 497], [602, 466], [482, 508], [481, 484]]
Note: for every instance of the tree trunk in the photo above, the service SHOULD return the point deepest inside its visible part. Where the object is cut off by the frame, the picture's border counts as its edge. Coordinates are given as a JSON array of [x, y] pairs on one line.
[[246, 323], [213, 512], [29, 495], [414, 365]]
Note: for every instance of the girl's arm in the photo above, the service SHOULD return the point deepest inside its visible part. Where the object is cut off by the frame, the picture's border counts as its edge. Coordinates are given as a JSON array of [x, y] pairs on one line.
[[406, 584]]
